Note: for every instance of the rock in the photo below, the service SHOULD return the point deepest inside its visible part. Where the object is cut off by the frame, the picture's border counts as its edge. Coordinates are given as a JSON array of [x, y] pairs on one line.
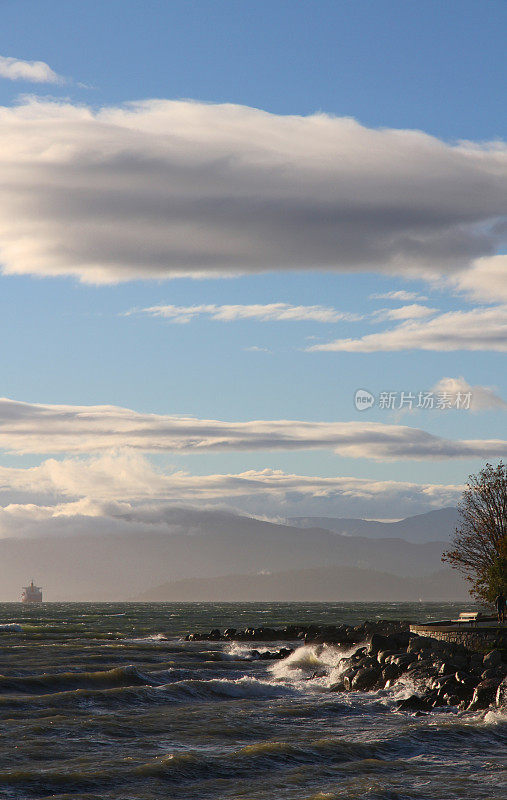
[[365, 679], [418, 644], [475, 662], [484, 695], [348, 676], [492, 673], [391, 672], [492, 659], [501, 694], [403, 660], [466, 679], [414, 703], [378, 642], [382, 655], [448, 668]]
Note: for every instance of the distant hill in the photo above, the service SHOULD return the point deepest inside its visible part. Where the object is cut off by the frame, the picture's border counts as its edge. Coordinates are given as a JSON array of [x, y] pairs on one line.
[[433, 526], [314, 585], [198, 544]]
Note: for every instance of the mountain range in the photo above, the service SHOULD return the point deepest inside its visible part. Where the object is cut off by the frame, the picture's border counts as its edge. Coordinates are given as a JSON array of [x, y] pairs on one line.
[[259, 558]]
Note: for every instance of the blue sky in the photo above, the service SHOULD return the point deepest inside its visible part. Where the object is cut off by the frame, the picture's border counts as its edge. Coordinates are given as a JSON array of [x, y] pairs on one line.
[[438, 68]]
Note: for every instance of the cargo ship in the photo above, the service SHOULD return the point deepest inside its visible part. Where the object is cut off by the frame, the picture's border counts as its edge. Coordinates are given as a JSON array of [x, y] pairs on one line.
[[31, 594]]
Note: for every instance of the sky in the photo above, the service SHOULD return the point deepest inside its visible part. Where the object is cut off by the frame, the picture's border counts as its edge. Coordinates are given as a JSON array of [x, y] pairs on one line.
[[218, 222]]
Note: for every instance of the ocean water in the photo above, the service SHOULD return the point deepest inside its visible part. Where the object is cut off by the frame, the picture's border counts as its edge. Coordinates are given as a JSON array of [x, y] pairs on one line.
[[107, 701]]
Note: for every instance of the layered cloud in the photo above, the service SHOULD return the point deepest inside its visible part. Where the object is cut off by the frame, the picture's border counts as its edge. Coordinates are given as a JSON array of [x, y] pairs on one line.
[[478, 329], [159, 189], [36, 428], [126, 485], [270, 312], [400, 295], [412, 311], [15, 69]]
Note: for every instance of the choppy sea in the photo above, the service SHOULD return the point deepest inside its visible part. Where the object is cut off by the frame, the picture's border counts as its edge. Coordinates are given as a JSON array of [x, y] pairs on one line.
[[108, 701]]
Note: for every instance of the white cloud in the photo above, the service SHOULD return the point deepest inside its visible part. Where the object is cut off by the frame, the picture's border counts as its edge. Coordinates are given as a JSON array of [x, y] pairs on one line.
[[160, 189], [400, 295], [413, 311], [271, 312], [15, 69], [121, 484], [479, 329], [486, 280], [36, 428], [482, 398]]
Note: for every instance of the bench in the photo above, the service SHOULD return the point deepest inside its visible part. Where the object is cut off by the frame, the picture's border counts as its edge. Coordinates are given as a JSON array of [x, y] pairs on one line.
[[469, 616]]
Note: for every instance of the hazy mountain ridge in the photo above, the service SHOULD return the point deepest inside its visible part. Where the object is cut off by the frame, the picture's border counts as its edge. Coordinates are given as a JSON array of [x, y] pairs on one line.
[[202, 545], [324, 584], [432, 526]]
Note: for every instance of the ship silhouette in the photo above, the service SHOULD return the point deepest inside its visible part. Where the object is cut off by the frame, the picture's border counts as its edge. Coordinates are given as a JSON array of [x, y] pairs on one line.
[[31, 594]]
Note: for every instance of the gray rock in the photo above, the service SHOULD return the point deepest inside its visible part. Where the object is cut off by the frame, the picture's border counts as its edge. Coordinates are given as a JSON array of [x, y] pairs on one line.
[[414, 703], [382, 655], [484, 695], [404, 660], [366, 679], [418, 644], [348, 676], [448, 668], [501, 694], [378, 642], [391, 672], [476, 662], [492, 673], [492, 659]]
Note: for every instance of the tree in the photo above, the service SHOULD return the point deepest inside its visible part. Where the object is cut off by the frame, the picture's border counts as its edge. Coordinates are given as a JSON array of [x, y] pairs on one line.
[[479, 546]]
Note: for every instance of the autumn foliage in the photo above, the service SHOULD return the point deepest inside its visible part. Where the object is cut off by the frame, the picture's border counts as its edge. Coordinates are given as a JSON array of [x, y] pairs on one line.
[[479, 546]]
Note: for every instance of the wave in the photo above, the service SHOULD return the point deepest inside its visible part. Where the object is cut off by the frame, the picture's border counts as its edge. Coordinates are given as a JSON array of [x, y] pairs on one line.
[[255, 758], [135, 691], [59, 682], [311, 662]]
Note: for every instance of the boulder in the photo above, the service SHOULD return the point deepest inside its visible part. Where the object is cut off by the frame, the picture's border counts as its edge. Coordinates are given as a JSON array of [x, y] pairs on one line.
[[378, 642], [391, 672], [418, 644], [414, 703], [448, 668], [348, 676], [501, 694], [475, 662], [382, 655], [403, 660], [493, 673], [492, 659], [366, 679], [484, 695]]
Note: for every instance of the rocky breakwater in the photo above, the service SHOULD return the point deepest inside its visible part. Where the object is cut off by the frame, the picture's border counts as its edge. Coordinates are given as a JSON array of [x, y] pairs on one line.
[[441, 673], [310, 633]]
